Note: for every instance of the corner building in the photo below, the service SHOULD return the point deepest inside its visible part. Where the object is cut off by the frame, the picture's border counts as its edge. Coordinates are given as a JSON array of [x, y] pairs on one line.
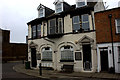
[[64, 38]]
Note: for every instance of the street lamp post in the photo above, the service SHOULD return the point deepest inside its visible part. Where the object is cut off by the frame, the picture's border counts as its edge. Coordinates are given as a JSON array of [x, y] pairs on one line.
[[110, 18]]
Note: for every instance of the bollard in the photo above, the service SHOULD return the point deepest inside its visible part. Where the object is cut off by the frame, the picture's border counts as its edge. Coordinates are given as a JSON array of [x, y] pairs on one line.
[[40, 69]]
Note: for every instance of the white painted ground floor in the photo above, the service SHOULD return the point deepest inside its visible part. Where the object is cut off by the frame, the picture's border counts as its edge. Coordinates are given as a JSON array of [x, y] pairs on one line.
[[105, 56], [77, 52]]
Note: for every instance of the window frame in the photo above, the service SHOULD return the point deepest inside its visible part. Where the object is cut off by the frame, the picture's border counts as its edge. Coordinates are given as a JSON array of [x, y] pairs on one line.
[[60, 19], [85, 21], [116, 24], [43, 12], [45, 59], [56, 7], [67, 59], [81, 22], [50, 26], [82, 5], [39, 36], [34, 31], [76, 23], [118, 54]]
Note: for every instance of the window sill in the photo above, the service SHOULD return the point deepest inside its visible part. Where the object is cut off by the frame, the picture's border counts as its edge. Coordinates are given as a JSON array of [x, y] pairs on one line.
[[47, 60], [66, 60]]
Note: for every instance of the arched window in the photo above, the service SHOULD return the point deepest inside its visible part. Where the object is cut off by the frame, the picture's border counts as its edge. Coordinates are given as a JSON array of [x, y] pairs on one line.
[[67, 54], [47, 54]]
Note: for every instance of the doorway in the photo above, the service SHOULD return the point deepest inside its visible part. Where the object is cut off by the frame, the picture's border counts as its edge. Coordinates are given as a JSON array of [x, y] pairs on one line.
[[87, 57], [104, 60], [33, 57]]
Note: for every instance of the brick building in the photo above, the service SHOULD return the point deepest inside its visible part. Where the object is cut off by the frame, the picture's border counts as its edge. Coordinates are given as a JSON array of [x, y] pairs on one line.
[[12, 51], [108, 39]]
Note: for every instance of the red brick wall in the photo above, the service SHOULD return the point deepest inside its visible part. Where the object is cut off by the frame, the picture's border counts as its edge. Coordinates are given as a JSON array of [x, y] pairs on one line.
[[13, 51], [102, 24]]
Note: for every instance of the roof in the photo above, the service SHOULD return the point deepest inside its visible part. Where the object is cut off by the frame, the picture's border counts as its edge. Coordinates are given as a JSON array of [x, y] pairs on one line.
[[72, 9], [107, 10]]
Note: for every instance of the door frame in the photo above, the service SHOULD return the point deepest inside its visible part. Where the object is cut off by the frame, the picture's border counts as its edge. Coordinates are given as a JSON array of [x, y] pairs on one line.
[[35, 63], [104, 49]]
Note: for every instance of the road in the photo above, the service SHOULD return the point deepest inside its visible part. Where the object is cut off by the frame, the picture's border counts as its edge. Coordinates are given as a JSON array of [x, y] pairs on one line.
[[9, 74]]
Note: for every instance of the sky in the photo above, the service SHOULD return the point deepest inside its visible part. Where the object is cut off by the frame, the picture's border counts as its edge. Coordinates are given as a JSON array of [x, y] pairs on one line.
[[14, 15]]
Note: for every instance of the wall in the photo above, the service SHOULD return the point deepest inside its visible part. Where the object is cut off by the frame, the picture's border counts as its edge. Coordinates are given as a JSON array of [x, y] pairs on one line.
[[12, 51], [65, 40], [102, 23]]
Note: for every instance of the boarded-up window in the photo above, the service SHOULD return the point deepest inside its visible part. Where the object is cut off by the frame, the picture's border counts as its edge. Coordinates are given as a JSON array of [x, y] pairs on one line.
[[67, 53], [78, 56], [47, 54]]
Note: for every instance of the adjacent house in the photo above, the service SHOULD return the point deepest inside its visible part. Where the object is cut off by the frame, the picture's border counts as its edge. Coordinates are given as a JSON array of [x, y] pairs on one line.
[[64, 38], [11, 51], [108, 39]]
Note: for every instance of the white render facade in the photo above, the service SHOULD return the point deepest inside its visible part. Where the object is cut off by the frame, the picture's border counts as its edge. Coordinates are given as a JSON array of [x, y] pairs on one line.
[[74, 48], [108, 48]]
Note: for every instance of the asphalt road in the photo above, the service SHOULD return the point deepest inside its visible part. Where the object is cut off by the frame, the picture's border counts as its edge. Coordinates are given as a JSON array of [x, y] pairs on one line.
[[9, 74]]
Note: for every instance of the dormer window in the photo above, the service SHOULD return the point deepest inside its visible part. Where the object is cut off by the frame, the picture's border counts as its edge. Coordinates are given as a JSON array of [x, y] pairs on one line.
[[81, 3], [41, 12], [59, 7]]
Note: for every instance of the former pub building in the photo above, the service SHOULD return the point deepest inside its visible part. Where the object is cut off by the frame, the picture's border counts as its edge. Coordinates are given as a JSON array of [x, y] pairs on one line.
[[64, 37]]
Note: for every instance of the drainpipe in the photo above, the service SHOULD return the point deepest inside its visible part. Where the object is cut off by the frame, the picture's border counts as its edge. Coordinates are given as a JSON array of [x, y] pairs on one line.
[[110, 17]]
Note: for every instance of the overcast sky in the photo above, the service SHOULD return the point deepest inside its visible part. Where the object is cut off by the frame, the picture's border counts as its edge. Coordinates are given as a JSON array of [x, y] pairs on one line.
[[14, 14]]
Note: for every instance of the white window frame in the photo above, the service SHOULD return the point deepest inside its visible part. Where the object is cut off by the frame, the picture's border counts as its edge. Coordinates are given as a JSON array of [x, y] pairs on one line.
[[85, 21], [43, 9], [117, 25], [76, 23], [59, 7], [80, 1]]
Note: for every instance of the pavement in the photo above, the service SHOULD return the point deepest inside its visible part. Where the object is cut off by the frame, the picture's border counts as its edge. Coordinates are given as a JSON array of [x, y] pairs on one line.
[[48, 74]]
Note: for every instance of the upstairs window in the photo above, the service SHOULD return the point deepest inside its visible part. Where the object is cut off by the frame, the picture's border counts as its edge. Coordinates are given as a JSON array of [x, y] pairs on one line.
[[59, 7], [39, 31], [76, 23], [60, 25], [34, 32], [55, 26], [81, 3], [41, 12], [117, 25], [81, 23], [85, 22], [52, 26]]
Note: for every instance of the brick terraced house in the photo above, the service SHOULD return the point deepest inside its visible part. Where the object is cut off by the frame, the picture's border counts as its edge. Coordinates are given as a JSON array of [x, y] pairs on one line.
[[65, 38], [108, 39]]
